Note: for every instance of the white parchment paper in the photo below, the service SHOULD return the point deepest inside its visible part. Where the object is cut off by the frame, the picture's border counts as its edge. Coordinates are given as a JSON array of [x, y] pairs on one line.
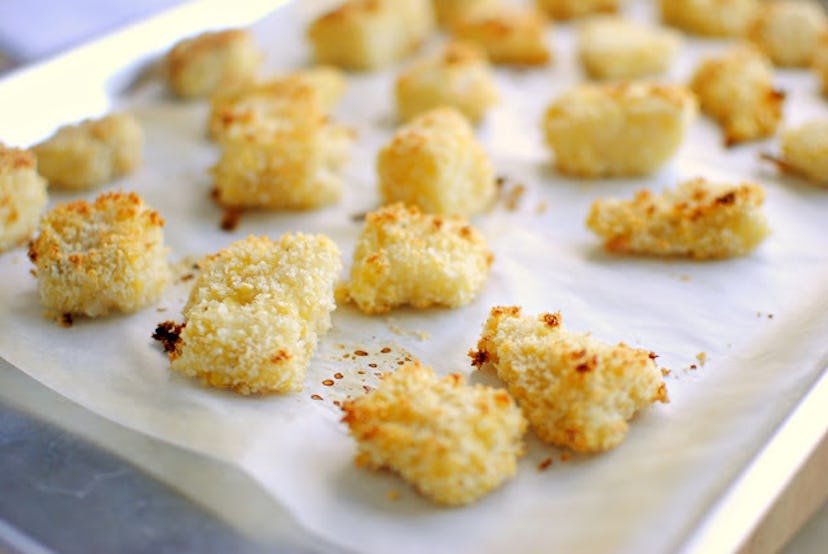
[[760, 320]]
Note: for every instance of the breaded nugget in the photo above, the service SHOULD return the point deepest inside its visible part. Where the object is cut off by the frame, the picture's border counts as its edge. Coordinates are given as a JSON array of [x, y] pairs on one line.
[[404, 257], [293, 165], [199, 66], [568, 9], [612, 47], [736, 89], [509, 35], [805, 151], [788, 31], [22, 196], [371, 34], [256, 313], [575, 390], [458, 76], [93, 259], [91, 153], [716, 18], [625, 129], [436, 163], [820, 64], [261, 108], [450, 11], [698, 219], [453, 442]]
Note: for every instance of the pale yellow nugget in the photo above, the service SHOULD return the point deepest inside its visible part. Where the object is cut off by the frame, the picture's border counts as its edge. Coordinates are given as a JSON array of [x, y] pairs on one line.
[[260, 108], [715, 18], [255, 314], [453, 442], [435, 162], [450, 11], [95, 258], [510, 35], [569, 9], [736, 89], [458, 76], [404, 257], [292, 165], [788, 31], [575, 390], [370, 34], [199, 66], [612, 47], [698, 219], [22, 196], [626, 129], [91, 153], [805, 151]]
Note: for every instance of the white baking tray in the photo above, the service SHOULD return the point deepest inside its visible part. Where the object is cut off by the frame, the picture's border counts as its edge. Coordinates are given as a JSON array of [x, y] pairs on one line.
[[696, 474]]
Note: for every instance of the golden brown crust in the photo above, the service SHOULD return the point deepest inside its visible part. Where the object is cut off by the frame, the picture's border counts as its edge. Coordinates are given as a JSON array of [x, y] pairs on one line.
[[596, 387], [736, 89], [699, 219], [717, 18], [407, 257], [453, 442], [99, 257], [569, 9], [509, 35]]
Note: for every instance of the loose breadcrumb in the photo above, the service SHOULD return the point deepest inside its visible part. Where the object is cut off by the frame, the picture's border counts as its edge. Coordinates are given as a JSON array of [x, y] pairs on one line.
[[624, 129], [736, 89], [406, 257], [22, 196], [371, 34], [256, 312], [91, 153], [436, 163], [788, 31], [458, 76], [453, 442], [95, 258], [805, 151], [568, 9], [698, 219], [450, 11], [575, 390], [612, 47], [199, 66], [715, 18], [510, 35], [264, 107], [294, 165]]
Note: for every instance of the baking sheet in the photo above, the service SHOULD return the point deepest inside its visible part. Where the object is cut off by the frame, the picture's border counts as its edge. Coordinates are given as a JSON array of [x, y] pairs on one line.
[[760, 319]]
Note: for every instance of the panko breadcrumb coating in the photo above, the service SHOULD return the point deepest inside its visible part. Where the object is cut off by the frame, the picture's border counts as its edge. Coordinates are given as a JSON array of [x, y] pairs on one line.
[[199, 66], [805, 151], [715, 18], [458, 76], [22, 196], [405, 257], [450, 11], [452, 441], [736, 89], [625, 129], [568, 9], [698, 219], [371, 34], [788, 31], [260, 107], [256, 313], [613, 47], [510, 35], [91, 153], [436, 163], [100, 257], [575, 390], [292, 166]]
